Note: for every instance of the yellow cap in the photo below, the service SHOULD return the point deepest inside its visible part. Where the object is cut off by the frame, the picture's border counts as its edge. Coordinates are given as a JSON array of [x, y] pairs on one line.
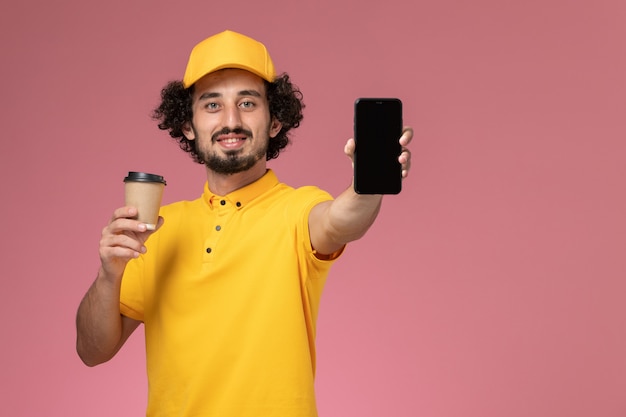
[[228, 49]]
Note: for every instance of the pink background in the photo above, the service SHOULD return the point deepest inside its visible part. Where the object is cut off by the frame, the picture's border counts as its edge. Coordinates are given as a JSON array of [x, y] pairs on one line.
[[494, 285]]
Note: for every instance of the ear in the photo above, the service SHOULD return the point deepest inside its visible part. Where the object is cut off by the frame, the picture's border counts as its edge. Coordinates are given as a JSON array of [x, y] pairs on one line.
[[275, 127], [188, 131]]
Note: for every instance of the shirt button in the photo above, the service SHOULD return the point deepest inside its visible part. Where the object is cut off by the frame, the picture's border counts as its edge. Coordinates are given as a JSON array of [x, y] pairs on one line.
[[218, 228], [238, 204], [208, 250], [223, 202]]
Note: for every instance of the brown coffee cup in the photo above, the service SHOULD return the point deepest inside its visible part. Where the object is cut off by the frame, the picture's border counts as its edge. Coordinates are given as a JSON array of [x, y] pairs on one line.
[[145, 192]]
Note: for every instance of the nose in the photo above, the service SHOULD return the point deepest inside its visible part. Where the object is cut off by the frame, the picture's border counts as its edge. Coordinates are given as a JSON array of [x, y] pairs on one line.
[[232, 117]]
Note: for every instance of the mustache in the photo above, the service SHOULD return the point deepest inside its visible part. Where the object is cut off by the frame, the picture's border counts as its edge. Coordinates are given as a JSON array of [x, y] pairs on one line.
[[227, 130]]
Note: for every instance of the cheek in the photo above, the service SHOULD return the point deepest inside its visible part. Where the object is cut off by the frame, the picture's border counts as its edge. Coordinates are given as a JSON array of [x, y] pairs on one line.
[[205, 125]]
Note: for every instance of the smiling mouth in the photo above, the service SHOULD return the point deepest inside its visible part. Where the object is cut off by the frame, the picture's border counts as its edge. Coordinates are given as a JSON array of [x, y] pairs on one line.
[[231, 143], [230, 140], [228, 136]]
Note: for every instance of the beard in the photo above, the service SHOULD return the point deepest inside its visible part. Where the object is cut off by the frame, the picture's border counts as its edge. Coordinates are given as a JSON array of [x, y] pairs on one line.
[[234, 161]]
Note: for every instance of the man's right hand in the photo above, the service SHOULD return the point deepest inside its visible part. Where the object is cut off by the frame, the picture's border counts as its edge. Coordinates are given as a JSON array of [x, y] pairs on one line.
[[122, 240]]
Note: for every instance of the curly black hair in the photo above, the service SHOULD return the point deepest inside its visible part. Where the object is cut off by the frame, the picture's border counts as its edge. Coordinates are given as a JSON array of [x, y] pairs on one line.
[[285, 104]]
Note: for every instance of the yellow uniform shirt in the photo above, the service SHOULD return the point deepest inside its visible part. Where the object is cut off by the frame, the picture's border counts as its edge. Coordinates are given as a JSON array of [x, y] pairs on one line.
[[229, 292]]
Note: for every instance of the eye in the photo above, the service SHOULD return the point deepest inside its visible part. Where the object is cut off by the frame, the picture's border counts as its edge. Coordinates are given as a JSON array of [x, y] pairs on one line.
[[211, 106], [247, 104]]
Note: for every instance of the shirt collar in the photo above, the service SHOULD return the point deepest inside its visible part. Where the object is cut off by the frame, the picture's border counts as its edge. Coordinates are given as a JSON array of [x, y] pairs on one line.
[[242, 197]]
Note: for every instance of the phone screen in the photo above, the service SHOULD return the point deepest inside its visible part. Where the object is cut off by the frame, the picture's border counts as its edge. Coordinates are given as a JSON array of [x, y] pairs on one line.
[[377, 130]]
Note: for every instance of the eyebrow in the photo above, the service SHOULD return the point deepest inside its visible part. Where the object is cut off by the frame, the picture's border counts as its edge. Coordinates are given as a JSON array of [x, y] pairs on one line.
[[242, 93]]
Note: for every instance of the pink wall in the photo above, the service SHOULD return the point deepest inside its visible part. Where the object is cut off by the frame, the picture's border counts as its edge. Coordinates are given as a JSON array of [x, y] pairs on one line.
[[493, 286]]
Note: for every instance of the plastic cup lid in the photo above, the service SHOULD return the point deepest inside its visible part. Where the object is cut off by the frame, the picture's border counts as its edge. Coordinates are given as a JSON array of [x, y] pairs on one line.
[[144, 177]]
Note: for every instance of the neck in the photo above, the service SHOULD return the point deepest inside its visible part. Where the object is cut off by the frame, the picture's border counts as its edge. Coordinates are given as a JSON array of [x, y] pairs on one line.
[[222, 184]]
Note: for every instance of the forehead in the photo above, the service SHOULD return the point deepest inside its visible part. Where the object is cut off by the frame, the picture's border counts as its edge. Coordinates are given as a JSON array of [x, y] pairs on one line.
[[229, 81]]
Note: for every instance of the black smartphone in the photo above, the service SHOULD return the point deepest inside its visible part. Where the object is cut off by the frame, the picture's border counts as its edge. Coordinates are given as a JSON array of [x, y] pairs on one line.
[[377, 131]]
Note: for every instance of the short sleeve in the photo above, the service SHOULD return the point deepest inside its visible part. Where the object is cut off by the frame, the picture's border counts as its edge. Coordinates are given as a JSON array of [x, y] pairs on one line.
[[132, 294]]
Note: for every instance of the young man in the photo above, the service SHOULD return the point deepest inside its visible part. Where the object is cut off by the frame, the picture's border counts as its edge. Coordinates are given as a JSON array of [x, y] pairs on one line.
[[228, 286]]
